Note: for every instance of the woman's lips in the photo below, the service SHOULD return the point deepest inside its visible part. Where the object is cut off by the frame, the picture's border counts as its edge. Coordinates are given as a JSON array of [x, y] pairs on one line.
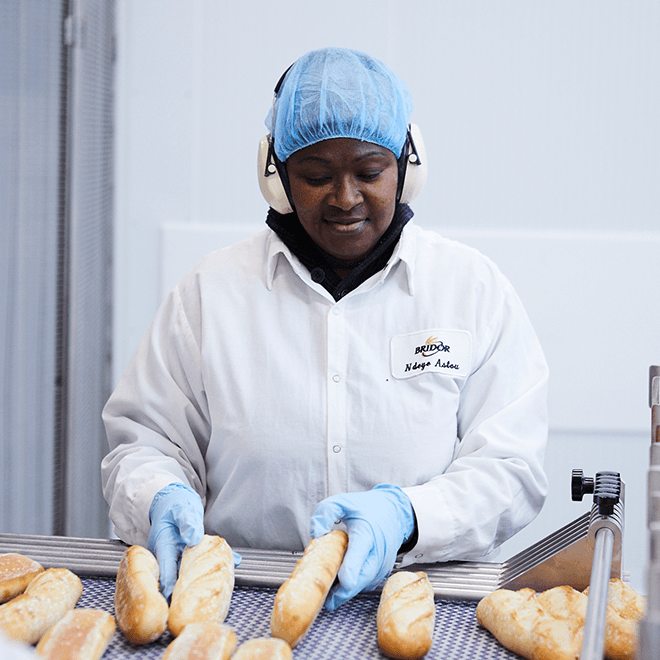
[[346, 226]]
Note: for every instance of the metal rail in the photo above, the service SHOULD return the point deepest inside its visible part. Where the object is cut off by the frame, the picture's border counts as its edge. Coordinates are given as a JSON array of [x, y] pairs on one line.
[[563, 557], [458, 580], [593, 640]]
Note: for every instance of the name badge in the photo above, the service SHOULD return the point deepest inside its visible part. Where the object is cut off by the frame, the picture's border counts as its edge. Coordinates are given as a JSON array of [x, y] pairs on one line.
[[438, 351]]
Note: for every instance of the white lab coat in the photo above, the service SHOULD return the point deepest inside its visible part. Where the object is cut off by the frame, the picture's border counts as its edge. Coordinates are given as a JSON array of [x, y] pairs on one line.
[[254, 387], [13, 650]]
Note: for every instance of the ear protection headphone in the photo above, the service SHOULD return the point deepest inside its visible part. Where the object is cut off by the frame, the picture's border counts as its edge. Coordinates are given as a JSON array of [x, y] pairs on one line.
[[412, 163]]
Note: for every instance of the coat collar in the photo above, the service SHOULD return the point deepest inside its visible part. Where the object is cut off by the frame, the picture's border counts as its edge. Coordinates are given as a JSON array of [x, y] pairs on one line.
[[405, 251]]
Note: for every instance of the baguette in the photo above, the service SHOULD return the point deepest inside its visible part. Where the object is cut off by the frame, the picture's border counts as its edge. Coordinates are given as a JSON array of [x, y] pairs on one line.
[[406, 616], [140, 609], [299, 600], [205, 584], [45, 601], [16, 572], [625, 608], [524, 624], [82, 634], [549, 625], [202, 641], [263, 648]]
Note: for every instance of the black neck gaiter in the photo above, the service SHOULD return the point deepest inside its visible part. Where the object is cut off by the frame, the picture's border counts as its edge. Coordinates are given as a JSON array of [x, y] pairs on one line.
[[322, 266]]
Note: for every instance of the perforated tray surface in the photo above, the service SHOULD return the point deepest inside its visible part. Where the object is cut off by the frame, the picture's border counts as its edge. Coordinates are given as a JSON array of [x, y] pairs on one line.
[[346, 634]]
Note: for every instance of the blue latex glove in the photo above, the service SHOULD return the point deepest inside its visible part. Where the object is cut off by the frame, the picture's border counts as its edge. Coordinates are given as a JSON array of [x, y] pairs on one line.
[[177, 520], [378, 522]]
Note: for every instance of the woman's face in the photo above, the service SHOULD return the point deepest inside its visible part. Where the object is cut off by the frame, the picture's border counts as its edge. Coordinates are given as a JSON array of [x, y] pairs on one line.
[[344, 192]]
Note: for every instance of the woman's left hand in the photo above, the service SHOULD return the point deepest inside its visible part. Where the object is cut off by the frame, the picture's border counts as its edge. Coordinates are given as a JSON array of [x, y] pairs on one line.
[[378, 522]]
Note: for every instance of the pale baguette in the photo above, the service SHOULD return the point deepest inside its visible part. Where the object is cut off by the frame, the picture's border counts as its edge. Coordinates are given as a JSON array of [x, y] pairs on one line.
[[299, 600], [46, 600], [549, 625], [522, 622], [16, 572], [202, 641], [406, 616], [140, 608], [205, 584], [82, 634], [263, 648]]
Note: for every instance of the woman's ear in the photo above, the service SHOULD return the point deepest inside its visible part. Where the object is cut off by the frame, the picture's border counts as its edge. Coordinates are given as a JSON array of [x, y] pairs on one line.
[[416, 166], [270, 182]]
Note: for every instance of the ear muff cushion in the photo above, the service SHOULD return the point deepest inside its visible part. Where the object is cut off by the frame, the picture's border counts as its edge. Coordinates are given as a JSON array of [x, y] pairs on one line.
[[270, 183], [416, 167]]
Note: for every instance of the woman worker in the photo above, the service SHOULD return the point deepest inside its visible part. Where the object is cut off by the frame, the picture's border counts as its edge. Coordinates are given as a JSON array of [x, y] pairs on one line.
[[341, 365]]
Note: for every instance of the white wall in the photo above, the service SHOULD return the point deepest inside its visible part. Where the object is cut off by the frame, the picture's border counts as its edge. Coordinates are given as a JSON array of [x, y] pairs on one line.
[[540, 121]]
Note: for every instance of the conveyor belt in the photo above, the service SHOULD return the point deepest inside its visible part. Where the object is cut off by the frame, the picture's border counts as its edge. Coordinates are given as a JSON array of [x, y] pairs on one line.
[[348, 633]]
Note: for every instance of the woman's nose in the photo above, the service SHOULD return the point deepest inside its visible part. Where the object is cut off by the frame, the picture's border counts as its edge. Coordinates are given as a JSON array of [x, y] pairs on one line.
[[346, 194]]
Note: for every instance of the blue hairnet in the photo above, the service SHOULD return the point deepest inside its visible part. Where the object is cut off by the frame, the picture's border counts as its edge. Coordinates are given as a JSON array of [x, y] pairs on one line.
[[338, 92]]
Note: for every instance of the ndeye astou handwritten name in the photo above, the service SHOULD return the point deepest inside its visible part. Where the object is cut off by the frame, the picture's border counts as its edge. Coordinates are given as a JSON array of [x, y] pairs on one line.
[[439, 364]]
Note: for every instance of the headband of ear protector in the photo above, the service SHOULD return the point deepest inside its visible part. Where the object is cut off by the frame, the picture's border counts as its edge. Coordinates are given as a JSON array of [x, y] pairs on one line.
[[412, 164]]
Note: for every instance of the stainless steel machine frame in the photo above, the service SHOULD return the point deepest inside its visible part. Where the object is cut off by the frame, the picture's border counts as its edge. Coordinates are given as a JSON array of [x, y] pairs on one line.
[[649, 630]]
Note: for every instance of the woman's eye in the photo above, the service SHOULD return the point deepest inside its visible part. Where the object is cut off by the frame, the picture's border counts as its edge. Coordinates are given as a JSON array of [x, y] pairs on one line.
[[317, 180], [324, 179], [370, 176]]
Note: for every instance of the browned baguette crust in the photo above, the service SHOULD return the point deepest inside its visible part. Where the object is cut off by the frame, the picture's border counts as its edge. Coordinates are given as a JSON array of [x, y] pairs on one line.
[[205, 584], [549, 625], [202, 641], [299, 600], [406, 616], [82, 634], [625, 608], [263, 648], [16, 572], [140, 608], [46, 600]]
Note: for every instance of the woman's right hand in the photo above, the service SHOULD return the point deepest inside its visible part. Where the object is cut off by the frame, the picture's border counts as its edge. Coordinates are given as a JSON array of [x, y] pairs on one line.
[[177, 521]]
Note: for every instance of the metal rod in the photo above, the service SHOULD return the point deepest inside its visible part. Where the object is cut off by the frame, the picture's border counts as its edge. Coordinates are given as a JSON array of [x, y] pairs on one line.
[[593, 641]]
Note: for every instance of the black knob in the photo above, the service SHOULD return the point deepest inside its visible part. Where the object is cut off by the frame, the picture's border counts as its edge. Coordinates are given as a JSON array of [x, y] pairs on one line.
[[580, 485]]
